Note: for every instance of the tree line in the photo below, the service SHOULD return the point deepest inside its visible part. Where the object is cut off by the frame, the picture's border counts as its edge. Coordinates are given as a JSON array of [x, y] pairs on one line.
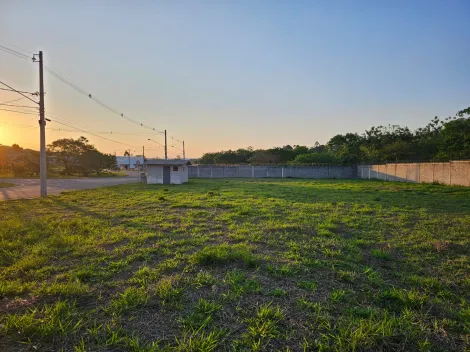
[[78, 156], [440, 140]]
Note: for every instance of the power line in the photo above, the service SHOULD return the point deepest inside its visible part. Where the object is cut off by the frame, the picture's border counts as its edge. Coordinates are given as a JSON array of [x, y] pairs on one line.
[[19, 106], [74, 86], [16, 125], [20, 112], [82, 91], [90, 133], [15, 53], [19, 92], [11, 101], [88, 127]]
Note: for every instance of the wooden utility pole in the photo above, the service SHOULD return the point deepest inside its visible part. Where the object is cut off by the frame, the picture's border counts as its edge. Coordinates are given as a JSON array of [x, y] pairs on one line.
[[166, 150], [42, 130], [184, 153], [143, 153]]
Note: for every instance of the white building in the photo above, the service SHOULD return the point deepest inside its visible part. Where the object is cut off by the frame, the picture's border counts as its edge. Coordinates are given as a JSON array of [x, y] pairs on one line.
[[129, 162], [161, 171]]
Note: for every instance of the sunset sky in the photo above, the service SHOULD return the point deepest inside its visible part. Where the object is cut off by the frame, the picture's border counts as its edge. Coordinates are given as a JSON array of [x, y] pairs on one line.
[[229, 74]]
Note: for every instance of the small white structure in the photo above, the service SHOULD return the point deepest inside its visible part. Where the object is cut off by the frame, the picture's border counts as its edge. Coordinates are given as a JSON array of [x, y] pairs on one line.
[[161, 171], [129, 162]]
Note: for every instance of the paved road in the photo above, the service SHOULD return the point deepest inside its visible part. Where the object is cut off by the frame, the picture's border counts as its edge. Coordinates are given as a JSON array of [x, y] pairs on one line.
[[29, 188]]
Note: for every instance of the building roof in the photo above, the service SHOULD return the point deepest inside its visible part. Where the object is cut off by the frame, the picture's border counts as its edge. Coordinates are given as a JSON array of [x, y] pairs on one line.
[[169, 162]]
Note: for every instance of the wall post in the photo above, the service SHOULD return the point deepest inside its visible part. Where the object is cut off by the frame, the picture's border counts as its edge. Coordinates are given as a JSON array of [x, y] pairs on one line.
[[282, 172], [252, 172], [450, 173], [211, 171]]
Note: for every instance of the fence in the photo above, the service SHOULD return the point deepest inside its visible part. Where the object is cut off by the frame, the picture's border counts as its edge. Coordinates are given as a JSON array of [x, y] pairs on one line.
[[450, 173], [324, 171]]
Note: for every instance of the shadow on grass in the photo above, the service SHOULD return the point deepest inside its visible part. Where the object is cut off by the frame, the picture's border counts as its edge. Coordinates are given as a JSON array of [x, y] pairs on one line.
[[433, 198]]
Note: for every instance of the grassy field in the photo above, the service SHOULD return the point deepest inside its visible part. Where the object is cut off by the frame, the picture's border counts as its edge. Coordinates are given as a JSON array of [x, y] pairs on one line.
[[238, 265], [6, 184]]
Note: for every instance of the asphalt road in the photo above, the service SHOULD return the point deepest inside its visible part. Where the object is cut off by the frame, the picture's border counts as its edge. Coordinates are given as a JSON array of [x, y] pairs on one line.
[[29, 188]]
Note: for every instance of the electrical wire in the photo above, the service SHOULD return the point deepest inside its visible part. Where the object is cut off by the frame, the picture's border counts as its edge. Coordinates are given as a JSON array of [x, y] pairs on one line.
[[74, 86], [11, 101], [15, 53], [19, 92], [82, 91], [20, 112], [88, 127], [19, 106], [16, 125], [90, 133]]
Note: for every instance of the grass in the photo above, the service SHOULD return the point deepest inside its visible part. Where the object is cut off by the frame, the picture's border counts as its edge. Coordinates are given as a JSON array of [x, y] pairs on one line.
[[244, 265], [6, 184]]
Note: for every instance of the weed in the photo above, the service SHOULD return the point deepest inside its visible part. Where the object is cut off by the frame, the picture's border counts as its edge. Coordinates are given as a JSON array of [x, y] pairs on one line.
[[240, 284], [130, 299], [338, 295], [199, 341], [381, 254], [61, 318], [168, 291], [265, 326], [201, 315], [225, 253], [308, 285], [396, 298], [204, 278]]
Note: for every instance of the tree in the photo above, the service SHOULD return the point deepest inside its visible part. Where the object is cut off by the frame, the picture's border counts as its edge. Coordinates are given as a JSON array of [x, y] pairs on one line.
[[439, 140], [264, 157], [126, 153], [455, 140], [346, 148], [315, 158], [93, 161], [16, 147], [68, 150]]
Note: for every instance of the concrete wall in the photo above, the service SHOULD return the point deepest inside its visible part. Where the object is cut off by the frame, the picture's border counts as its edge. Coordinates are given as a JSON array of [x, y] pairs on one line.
[[450, 173], [155, 174], [216, 171]]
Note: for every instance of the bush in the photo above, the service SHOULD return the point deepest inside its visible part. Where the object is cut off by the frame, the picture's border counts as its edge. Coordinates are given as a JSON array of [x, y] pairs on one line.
[[19, 170], [315, 158]]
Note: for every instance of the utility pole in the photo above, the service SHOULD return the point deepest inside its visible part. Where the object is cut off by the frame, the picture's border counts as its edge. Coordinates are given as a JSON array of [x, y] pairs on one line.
[[184, 154], [143, 153], [166, 150], [42, 129]]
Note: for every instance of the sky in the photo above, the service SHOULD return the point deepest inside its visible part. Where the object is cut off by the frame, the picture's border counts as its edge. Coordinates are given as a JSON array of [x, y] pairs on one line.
[[230, 74]]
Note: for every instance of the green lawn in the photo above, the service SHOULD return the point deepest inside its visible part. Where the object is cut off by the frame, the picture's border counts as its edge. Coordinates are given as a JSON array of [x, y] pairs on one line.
[[6, 184], [238, 265]]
